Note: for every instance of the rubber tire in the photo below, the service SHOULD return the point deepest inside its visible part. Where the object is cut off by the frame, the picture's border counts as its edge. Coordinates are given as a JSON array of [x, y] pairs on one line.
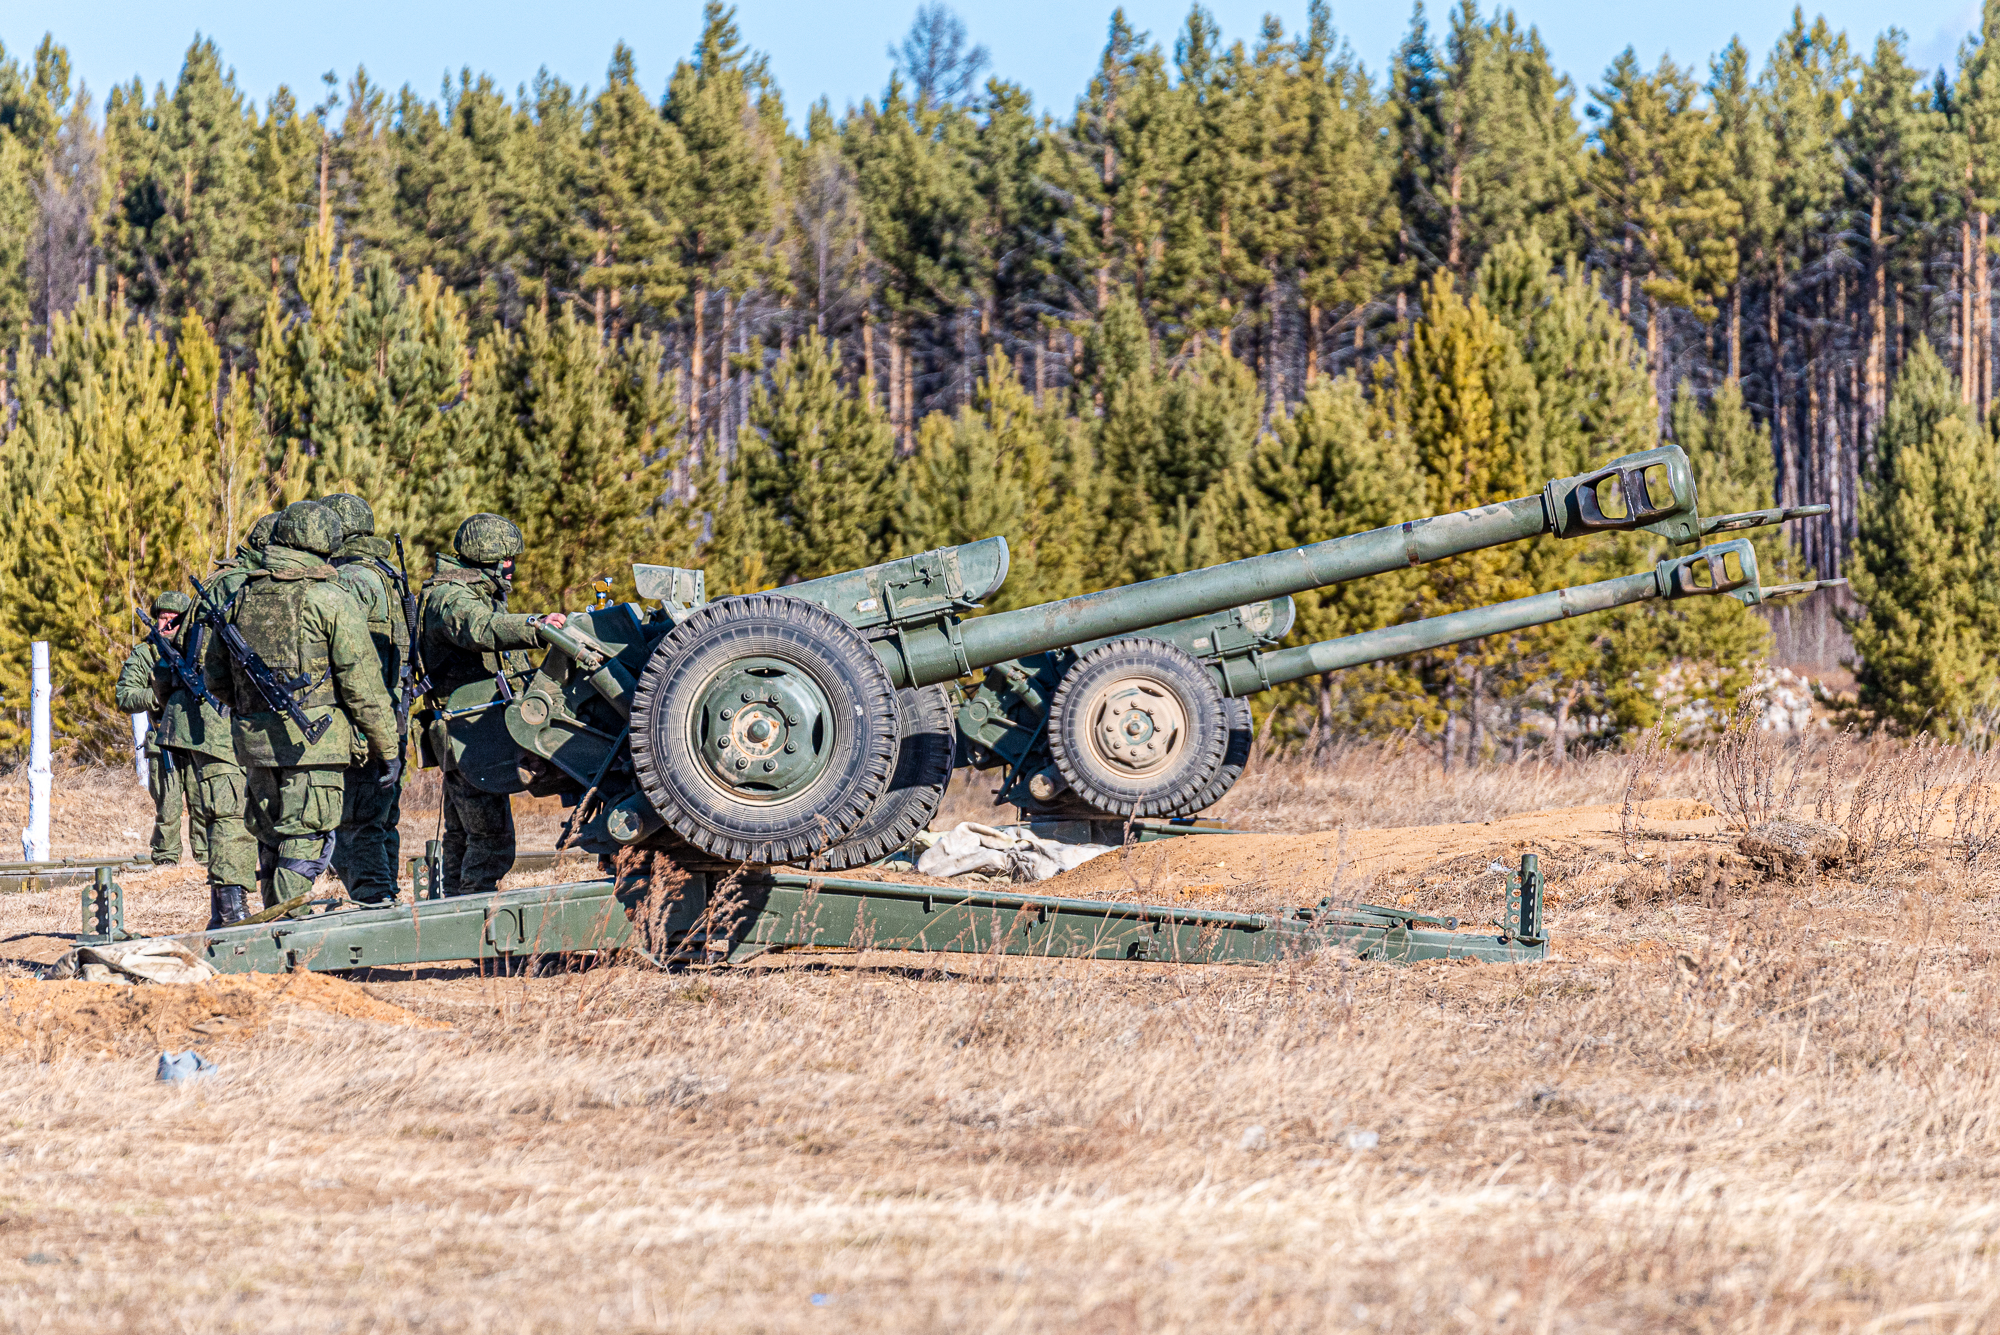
[[925, 757], [1202, 752], [857, 688], [1236, 755]]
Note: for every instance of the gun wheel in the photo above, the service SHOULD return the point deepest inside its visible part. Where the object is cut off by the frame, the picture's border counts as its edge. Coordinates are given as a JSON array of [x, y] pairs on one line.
[[1235, 756], [1138, 729], [924, 759], [763, 729]]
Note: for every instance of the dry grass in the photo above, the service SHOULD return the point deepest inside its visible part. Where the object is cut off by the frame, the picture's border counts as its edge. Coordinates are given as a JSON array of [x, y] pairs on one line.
[[1730, 1105]]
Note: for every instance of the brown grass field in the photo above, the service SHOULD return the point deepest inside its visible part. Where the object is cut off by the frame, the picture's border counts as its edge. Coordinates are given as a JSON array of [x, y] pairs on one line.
[[1738, 1099]]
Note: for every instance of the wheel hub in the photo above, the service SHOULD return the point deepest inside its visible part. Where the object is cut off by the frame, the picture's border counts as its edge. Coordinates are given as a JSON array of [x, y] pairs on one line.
[[763, 730], [1136, 724]]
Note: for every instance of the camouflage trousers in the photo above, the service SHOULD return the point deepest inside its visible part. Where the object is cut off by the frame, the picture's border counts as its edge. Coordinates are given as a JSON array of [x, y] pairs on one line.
[[171, 785], [216, 795], [369, 843], [478, 838], [293, 813]]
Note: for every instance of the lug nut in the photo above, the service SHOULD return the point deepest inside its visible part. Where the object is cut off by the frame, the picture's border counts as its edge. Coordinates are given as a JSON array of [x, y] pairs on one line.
[[747, 697], [741, 763], [790, 747], [722, 744], [770, 765], [728, 713]]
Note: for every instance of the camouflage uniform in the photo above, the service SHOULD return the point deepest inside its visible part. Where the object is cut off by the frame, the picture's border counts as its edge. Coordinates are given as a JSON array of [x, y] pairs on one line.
[[369, 842], [214, 779], [144, 687], [293, 612], [466, 633]]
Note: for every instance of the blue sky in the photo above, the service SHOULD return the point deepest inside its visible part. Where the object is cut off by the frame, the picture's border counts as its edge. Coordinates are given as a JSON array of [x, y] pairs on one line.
[[837, 48]]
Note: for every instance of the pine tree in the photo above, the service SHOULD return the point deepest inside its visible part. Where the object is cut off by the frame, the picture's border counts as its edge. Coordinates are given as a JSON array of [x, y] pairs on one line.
[[998, 468], [583, 455], [815, 464], [1666, 220], [1463, 402], [1924, 565], [1125, 142], [183, 228], [1348, 216], [1892, 147], [1744, 153], [726, 180], [633, 179], [359, 390], [97, 472], [1328, 468], [1488, 139], [1594, 402], [450, 164], [1161, 442]]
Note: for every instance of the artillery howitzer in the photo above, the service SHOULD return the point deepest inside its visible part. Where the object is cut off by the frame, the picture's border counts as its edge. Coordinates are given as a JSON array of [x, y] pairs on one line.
[[1129, 729], [815, 726], [807, 726]]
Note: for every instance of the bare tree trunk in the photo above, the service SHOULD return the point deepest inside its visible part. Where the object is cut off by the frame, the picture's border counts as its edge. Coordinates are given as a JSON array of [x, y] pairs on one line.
[[1787, 480], [1878, 333], [723, 401], [1736, 332], [1312, 344], [1984, 268], [869, 356], [695, 369], [1965, 336], [1041, 366], [1561, 738], [1475, 726], [896, 378], [1324, 724]]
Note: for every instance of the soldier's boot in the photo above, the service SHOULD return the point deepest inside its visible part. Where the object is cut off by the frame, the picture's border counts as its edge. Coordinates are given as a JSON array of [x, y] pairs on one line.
[[226, 906]]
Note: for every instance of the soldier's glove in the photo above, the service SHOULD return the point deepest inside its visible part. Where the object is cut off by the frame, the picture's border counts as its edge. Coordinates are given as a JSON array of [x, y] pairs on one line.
[[392, 771]]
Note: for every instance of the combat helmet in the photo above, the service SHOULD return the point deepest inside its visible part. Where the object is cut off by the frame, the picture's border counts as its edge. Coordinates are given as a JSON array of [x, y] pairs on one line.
[[172, 600], [260, 533], [356, 519], [308, 526], [486, 540]]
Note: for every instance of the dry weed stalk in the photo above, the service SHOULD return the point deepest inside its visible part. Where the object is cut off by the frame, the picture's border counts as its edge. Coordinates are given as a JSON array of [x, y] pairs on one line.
[[1755, 774]]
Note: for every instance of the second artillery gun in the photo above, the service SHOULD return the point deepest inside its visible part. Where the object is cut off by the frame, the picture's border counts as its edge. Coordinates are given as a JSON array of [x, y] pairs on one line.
[[817, 724]]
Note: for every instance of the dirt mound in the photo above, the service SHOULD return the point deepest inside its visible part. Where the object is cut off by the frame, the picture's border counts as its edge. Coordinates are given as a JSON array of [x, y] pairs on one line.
[[1271, 870], [114, 1015]]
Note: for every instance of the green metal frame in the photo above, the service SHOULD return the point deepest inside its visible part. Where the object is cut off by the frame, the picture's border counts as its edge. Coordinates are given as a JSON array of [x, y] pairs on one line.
[[719, 918]]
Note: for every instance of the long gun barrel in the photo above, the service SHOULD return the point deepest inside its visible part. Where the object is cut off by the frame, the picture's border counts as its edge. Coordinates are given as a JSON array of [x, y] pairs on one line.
[[1652, 490], [1728, 568]]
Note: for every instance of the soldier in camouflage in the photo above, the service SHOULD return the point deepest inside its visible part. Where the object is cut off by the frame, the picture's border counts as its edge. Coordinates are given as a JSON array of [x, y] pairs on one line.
[[295, 614], [145, 687], [368, 844], [467, 632], [197, 740]]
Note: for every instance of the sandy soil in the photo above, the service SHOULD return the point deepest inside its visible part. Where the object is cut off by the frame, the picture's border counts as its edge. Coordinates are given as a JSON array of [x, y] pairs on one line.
[[1728, 1103]]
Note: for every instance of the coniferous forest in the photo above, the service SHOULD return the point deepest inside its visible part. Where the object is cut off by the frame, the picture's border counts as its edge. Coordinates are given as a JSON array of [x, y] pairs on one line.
[[1245, 293]]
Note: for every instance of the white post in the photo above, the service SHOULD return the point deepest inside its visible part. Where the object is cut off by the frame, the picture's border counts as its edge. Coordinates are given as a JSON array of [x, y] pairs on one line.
[[35, 839], [139, 727]]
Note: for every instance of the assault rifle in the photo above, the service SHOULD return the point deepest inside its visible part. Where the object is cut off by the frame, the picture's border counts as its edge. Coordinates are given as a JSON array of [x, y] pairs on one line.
[[411, 681], [277, 693], [186, 668]]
